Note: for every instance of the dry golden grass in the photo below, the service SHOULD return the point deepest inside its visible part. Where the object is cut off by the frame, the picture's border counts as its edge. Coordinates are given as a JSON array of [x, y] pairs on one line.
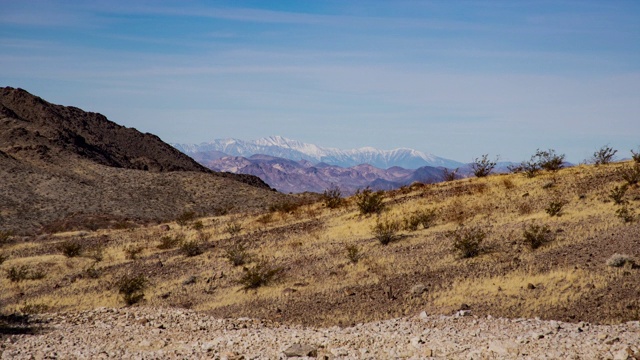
[[319, 284]]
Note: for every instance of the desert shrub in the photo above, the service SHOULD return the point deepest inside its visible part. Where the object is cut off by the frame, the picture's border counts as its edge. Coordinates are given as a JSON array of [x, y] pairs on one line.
[[624, 214], [185, 218], [332, 197], [548, 159], [604, 155], [237, 254], [285, 206], [631, 174], [170, 242], [535, 235], [635, 156], [191, 248], [353, 253], [620, 260], [96, 253], [265, 218], [5, 237], [23, 272], [18, 273], [617, 194], [3, 258], [132, 287], [92, 272], [528, 168], [34, 309], [369, 202], [261, 274], [450, 175], [233, 228], [426, 218], [132, 251], [482, 166], [508, 184], [197, 226], [386, 231], [467, 240], [71, 248], [554, 208]]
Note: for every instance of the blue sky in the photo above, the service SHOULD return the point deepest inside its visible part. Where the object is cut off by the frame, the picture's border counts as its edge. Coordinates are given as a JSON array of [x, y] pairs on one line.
[[454, 78]]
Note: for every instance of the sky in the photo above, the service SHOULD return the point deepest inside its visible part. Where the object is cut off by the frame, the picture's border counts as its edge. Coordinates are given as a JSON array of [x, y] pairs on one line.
[[457, 79]]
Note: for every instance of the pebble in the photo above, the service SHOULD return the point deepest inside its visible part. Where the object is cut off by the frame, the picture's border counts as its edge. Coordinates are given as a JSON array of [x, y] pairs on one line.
[[139, 333]]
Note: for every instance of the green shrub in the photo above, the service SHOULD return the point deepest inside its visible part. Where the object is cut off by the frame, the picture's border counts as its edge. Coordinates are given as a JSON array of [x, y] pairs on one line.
[[185, 218], [625, 214], [261, 274], [467, 240], [170, 242], [426, 218], [617, 194], [535, 235], [620, 260], [237, 254], [71, 248], [631, 174], [332, 197], [483, 166], [369, 202], [353, 253], [191, 248], [604, 155], [554, 208], [386, 231], [132, 287]]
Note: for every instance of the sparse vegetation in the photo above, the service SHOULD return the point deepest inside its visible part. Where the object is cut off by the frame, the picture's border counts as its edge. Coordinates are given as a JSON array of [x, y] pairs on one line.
[[424, 218], [354, 254], [554, 208], [548, 160], [170, 242], [386, 231], [536, 236], [31, 309], [23, 272], [233, 228], [631, 174], [237, 254], [635, 156], [604, 155], [3, 258], [71, 248], [332, 197], [625, 214], [132, 287], [186, 218], [261, 274], [620, 260], [617, 194], [191, 248], [5, 237], [483, 166], [450, 175], [369, 202], [197, 226], [132, 251], [467, 240]]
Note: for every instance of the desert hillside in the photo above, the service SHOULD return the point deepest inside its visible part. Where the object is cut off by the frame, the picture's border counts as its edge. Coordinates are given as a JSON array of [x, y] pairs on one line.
[[561, 245], [64, 168]]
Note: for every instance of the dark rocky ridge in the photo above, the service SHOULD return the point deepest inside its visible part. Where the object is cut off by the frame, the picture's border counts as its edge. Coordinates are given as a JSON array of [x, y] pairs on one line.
[[62, 165]]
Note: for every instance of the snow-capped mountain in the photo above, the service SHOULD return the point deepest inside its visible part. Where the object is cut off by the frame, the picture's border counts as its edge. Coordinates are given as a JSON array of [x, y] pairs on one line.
[[281, 147]]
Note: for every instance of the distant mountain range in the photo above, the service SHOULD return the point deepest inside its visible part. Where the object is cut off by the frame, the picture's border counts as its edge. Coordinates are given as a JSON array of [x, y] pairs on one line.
[[281, 147], [299, 176], [293, 166]]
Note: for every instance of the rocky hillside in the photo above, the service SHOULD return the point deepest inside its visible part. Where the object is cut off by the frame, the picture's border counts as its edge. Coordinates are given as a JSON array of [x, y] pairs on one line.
[[62, 165]]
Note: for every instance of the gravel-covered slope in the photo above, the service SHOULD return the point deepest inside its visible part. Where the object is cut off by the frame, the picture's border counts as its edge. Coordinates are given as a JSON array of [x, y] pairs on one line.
[[145, 333]]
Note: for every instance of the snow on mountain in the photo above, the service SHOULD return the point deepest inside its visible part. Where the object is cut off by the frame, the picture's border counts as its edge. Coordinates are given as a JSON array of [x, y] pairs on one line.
[[281, 147]]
